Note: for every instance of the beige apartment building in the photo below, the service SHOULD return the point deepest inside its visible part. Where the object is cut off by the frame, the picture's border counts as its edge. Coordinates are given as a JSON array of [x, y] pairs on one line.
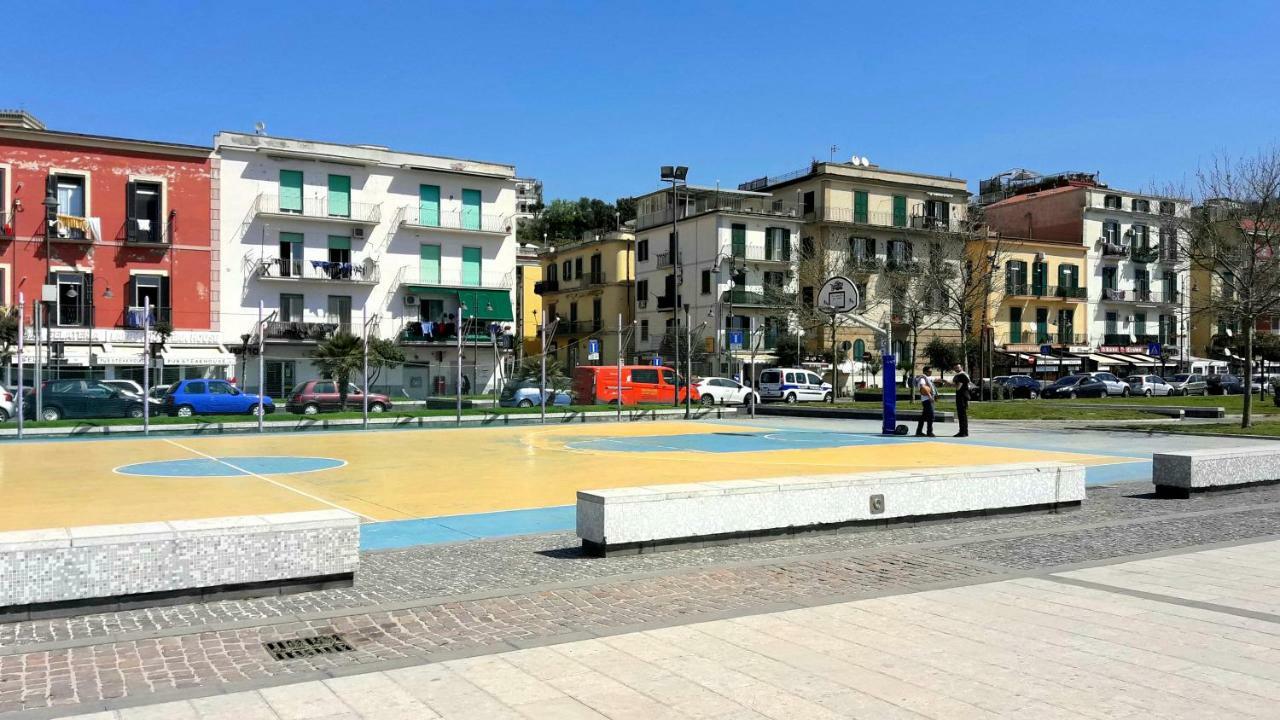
[[588, 283]]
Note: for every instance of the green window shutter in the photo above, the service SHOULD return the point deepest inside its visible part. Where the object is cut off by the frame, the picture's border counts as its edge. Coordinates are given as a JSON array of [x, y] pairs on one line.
[[429, 264], [471, 266], [470, 209], [739, 235], [859, 206], [291, 191], [768, 243], [339, 242], [340, 196], [900, 210], [1015, 324], [429, 205], [786, 243]]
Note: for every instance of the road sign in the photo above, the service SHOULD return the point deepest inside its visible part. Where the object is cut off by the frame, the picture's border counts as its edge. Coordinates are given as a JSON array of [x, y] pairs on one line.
[[593, 349], [1153, 349], [657, 360], [1046, 349], [735, 339], [838, 295]]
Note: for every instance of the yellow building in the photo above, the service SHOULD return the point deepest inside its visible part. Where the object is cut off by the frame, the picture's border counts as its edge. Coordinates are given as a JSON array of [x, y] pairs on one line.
[[588, 283], [528, 274]]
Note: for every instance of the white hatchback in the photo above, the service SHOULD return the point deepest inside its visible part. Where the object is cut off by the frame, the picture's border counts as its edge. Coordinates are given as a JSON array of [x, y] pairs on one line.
[[723, 391]]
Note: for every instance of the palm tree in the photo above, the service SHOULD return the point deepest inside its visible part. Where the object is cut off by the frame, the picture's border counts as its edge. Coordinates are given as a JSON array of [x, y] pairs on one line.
[[338, 358]]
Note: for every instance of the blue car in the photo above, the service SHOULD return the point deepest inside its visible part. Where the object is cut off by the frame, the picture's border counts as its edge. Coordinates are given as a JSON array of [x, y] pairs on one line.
[[529, 394], [211, 397]]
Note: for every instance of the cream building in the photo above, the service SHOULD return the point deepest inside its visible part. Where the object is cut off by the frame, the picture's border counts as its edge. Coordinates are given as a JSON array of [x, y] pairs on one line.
[[589, 284]]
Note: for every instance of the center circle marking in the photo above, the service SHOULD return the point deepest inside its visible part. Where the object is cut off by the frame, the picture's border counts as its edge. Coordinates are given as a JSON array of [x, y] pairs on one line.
[[233, 466]]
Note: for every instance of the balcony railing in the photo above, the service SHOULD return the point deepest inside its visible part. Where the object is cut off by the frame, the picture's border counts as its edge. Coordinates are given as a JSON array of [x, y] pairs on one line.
[[579, 327], [1141, 295], [586, 280], [318, 208], [1145, 254], [754, 253], [664, 259], [666, 302], [72, 229], [542, 287], [6, 225], [697, 205], [417, 332], [1145, 338], [771, 298], [365, 272], [902, 265], [300, 331], [1114, 250], [864, 266], [457, 220], [1113, 294], [136, 318], [849, 216], [458, 279], [1032, 335], [1066, 292], [1113, 338], [147, 232]]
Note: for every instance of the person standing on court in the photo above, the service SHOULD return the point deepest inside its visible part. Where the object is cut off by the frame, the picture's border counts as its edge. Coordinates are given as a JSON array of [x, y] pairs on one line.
[[962, 382], [928, 394]]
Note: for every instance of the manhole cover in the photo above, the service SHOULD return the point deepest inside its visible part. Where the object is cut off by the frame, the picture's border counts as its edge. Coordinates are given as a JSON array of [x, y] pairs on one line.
[[307, 647]]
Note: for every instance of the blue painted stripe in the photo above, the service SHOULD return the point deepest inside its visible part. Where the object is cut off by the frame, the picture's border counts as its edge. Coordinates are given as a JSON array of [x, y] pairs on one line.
[[453, 528], [1118, 472]]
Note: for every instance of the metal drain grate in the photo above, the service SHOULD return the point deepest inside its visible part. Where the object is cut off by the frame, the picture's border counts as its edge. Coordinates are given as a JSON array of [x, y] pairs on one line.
[[307, 647]]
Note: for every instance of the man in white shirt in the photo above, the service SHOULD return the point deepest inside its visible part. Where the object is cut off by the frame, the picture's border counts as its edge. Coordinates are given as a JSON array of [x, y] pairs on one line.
[[928, 394]]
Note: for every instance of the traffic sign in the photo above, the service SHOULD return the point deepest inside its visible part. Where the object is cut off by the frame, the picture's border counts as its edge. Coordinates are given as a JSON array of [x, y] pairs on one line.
[[1046, 349], [735, 339], [657, 360], [1153, 349], [593, 349], [838, 295]]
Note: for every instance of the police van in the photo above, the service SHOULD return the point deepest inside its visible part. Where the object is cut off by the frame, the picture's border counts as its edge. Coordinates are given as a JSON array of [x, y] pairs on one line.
[[793, 385]]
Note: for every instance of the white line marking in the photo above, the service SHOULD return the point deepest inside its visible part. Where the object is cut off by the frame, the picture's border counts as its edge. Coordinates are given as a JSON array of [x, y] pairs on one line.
[[267, 479]]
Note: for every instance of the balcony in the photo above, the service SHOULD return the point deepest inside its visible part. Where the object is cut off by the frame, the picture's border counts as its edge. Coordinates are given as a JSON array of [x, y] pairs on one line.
[[849, 216], [746, 298], [1141, 296], [1146, 339], [299, 331], [317, 208], [579, 327], [664, 259], [6, 225], [666, 302], [1113, 338], [277, 269], [72, 229], [1031, 335], [1114, 251], [416, 332], [417, 218], [902, 266], [1069, 292], [586, 280], [864, 266], [543, 287], [762, 255], [1113, 294], [143, 232], [1145, 254], [1064, 292], [136, 318], [693, 205]]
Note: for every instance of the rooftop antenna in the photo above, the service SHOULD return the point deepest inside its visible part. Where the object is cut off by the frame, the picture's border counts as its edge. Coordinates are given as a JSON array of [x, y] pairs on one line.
[[259, 128], [831, 153]]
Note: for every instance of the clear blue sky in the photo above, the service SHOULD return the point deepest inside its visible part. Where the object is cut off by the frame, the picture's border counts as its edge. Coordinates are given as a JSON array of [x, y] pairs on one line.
[[593, 97]]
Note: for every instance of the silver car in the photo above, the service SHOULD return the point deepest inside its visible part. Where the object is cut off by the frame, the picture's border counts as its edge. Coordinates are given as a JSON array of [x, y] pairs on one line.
[[1188, 384], [1115, 386], [1149, 385]]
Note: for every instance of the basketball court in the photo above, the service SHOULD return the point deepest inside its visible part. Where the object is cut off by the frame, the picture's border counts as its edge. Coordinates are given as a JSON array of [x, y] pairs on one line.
[[419, 486]]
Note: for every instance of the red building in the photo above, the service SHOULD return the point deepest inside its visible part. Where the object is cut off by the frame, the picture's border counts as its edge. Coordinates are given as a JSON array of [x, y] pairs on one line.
[[132, 229]]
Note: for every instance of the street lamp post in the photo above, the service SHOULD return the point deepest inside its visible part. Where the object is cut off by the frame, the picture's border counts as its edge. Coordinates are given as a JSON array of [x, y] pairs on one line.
[[675, 174]]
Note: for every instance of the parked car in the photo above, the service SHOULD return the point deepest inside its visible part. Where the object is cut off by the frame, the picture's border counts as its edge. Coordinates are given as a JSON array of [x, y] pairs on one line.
[[310, 397], [6, 404], [130, 387], [1188, 384], [1224, 385], [641, 384], [1114, 385], [212, 397], [1076, 386], [80, 399], [723, 391], [793, 385], [1149, 385], [1019, 386], [527, 394]]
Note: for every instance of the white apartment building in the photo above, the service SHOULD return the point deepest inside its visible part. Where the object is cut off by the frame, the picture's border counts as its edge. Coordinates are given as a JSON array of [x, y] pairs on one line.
[[325, 236], [730, 259]]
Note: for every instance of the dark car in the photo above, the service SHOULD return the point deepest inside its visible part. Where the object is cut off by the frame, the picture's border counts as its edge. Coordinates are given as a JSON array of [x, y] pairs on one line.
[[1020, 386], [314, 396], [1224, 385], [1076, 386], [81, 399]]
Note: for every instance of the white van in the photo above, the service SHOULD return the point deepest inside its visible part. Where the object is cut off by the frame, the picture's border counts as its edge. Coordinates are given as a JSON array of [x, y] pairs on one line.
[[793, 385]]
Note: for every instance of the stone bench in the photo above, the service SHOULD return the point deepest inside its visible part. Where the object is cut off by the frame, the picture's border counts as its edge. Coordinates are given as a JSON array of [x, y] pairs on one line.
[[1180, 473], [644, 519], [99, 568]]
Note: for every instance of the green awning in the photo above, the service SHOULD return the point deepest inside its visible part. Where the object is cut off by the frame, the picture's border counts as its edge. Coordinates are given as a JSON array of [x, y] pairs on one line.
[[433, 290], [486, 305]]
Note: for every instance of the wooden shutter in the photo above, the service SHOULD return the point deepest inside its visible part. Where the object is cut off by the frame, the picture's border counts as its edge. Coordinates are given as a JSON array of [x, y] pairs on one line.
[[859, 206], [900, 210], [786, 243], [739, 239], [166, 312], [131, 211]]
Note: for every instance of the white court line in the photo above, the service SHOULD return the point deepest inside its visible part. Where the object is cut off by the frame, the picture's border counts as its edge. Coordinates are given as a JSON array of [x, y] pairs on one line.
[[267, 479]]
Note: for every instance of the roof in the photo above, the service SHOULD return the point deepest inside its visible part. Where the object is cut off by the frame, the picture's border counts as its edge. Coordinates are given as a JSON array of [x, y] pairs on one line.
[[60, 137], [362, 153], [868, 171], [1015, 199]]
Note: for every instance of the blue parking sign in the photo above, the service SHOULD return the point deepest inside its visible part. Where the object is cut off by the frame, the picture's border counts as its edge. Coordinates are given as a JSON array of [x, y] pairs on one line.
[[657, 360], [593, 346], [735, 338]]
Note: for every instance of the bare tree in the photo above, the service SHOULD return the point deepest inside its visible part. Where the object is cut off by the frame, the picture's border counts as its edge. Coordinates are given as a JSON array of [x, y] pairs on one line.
[[1233, 239], [964, 269], [910, 288]]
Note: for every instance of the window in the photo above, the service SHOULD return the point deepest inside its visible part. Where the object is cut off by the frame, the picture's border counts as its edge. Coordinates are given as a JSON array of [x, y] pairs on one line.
[[1168, 244], [1111, 232], [566, 270], [142, 207], [220, 388], [325, 387], [339, 196], [644, 330], [429, 265], [340, 312], [1108, 278], [1166, 207], [1015, 324], [1112, 201], [1143, 206], [706, 282], [642, 250], [71, 203], [339, 267], [471, 266], [597, 315], [774, 281], [642, 293], [289, 264], [1140, 236], [860, 206], [807, 200], [577, 267], [777, 244], [1015, 277], [144, 291], [195, 388], [552, 270], [1139, 323], [900, 211], [429, 205], [1068, 277], [75, 299], [806, 296], [573, 312], [471, 209], [291, 191], [1039, 278], [1113, 324], [280, 376], [290, 307], [806, 247], [668, 376], [645, 376], [738, 235]]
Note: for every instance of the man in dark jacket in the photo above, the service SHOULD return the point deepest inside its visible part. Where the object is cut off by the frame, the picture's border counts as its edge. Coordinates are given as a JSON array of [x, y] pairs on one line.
[[962, 382]]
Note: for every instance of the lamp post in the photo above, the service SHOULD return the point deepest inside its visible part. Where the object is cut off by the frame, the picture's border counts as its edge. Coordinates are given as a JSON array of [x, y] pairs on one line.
[[675, 174]]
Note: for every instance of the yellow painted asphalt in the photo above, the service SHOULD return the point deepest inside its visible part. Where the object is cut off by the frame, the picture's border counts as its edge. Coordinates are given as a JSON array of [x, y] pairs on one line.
[[395, 475]]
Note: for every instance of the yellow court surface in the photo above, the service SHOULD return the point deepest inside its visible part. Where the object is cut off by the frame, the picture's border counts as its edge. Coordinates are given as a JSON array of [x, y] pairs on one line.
[[404, 474]]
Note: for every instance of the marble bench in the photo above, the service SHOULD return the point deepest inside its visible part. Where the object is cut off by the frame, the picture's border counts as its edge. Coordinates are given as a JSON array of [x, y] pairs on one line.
[[1183, 472], [643, 519], [98, 568]]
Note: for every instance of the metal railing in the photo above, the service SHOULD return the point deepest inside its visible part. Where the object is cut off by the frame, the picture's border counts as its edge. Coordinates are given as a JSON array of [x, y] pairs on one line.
[[758, 253], [585, 280], [664, 259], [1145, 254], [772, 298], [1113, 338], [325, 270], [145, 232], [864, 265], [1114, 250], [851, 216], [542, 287], [135, 318], [1145, 295], [303, 331], [318, 207], [1113, 294], [457, 279], [1032, 335], [1066, 292], [417, 332], [456, 220], [902, 265], [696, 205]]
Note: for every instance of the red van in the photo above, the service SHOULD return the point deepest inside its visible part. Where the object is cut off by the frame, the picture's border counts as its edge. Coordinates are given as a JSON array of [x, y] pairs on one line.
[[641, 384]]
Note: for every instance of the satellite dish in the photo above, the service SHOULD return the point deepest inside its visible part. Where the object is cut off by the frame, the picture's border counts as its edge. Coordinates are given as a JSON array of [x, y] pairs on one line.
[[259, 127], [866, 161]]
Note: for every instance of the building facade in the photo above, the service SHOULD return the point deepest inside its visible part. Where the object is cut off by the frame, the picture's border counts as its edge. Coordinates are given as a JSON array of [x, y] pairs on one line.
[[130, 230], [728, 264], [589, 284], [329, 238]]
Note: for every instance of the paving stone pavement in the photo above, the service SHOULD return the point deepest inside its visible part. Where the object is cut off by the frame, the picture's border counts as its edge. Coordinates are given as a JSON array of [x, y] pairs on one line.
[[1026, 648], [437, 603]]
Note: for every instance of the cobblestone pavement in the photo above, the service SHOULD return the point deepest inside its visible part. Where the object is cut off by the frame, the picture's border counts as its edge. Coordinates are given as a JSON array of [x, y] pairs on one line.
[[436, 602]]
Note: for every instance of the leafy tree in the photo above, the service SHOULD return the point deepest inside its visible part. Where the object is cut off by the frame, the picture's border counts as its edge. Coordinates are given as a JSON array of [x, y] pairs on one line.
[[942, 354], [530, 370], [568, 219], [338, 358], [384, 354]]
